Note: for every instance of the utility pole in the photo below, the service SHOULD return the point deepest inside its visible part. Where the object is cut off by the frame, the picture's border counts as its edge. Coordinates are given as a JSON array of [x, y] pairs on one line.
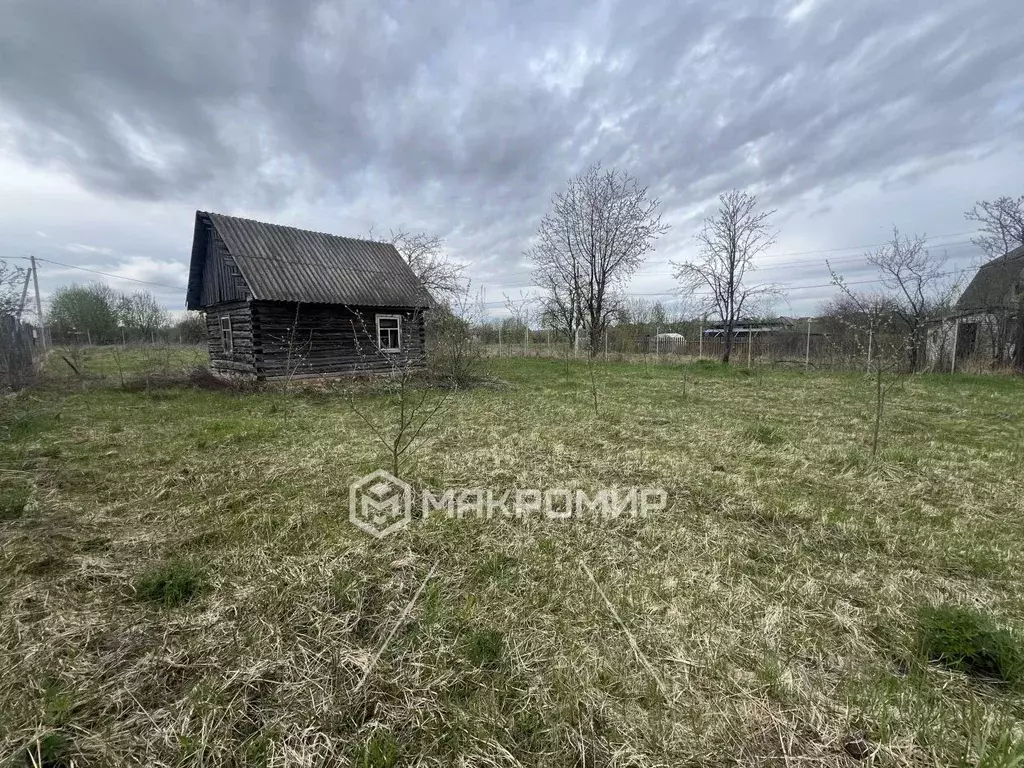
[[39, 304]]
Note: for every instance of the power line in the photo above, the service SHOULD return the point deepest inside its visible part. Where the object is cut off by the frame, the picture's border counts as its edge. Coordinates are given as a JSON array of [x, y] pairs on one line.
[[108, 274], [817, 252], [787, 286]]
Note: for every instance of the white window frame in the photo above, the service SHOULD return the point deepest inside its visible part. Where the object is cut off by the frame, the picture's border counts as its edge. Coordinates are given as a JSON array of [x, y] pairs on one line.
[[227, 341], [380, 346]]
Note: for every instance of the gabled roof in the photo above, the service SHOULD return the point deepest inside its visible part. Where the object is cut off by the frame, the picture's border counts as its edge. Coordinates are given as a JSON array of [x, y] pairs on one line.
[[995, 284], [281, 263]]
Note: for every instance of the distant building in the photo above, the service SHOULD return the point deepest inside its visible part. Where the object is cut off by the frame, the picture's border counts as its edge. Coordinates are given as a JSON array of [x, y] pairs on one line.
[[987, 321], [283, 302], [776, 325]]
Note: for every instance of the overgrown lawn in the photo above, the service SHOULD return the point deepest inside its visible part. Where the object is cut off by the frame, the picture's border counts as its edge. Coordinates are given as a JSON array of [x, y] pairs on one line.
[[180, 585]]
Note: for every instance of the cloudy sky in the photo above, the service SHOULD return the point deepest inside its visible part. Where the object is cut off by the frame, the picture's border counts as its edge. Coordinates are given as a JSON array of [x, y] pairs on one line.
[[119, 118]]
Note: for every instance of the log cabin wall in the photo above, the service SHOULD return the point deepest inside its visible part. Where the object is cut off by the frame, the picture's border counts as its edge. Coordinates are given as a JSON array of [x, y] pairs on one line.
[[304, 340], [240, 360]]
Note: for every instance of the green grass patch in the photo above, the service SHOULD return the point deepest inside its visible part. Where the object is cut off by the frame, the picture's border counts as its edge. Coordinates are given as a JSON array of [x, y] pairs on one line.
[[51, 750], [969, 641], [484, 648], [763, 433], [13, 501], [170, 585]]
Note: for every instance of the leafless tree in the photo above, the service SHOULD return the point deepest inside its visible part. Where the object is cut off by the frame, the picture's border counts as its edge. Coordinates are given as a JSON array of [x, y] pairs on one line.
[[16, 365], [1001, 224], [1002, 230], [298, 348], [520, 314], [12, 284], [454, 355], [411, 404], [874, 315], [729, 242], [425, 254], [140, 315], [590, 242], [921, 286]]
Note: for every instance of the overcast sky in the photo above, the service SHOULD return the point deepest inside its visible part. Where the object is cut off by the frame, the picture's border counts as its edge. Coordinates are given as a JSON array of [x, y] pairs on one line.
[[120, 118]]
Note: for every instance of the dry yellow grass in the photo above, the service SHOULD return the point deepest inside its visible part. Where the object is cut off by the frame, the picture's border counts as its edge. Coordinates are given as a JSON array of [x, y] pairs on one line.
[[766, 617]]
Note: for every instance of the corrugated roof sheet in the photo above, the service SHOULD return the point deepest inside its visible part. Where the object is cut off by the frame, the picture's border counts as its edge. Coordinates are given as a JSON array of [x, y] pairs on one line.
[[995, 284], [282, 263]]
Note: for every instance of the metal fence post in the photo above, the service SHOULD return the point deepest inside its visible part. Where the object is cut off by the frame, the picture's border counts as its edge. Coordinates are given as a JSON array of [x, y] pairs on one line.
[[807, 352], [956, 339]]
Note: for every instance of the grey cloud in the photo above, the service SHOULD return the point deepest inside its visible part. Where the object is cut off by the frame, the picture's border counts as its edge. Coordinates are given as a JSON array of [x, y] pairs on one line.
[[465, 118]]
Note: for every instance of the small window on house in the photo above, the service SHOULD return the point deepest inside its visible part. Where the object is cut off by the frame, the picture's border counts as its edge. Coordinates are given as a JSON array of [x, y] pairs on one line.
[[226, 342], [389, 333]]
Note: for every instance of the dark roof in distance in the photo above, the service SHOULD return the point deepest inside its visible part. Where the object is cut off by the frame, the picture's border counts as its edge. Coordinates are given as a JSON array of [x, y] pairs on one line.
[[995, 284], [282, 263]]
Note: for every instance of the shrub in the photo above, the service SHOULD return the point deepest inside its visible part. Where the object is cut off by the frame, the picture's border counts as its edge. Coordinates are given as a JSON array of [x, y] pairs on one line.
[[169, 585], [970, 642]]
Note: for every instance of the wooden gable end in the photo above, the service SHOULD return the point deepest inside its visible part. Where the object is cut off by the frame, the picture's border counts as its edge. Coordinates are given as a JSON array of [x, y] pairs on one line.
[[222, 282]]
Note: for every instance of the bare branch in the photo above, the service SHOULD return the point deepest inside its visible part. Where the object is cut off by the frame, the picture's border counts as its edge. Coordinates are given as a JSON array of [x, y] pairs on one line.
[[729, 242], [591, 241]]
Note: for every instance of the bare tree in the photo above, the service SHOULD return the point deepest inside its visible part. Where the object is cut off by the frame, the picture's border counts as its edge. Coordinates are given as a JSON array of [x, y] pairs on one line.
[[920, 284], [140, 315], [298, 347], [729, 242], [410, 404], [429, 261], [1001, 223], [1002, 230], [12, 288], [590, 242], [454, 355], [875, 315], [16, 366]]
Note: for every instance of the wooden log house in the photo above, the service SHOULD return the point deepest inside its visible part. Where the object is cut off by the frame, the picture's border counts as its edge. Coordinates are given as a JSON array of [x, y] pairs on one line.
[[282, 302]]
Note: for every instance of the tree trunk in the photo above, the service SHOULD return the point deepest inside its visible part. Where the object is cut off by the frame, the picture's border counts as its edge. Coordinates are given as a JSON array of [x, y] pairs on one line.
[[728, 344]]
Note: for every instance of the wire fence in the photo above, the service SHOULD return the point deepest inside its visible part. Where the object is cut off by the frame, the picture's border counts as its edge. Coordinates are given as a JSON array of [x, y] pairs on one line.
[[850, 351]]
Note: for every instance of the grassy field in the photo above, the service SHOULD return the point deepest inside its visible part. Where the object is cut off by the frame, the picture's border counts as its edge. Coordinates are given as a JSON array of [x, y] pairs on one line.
[[180, 584]]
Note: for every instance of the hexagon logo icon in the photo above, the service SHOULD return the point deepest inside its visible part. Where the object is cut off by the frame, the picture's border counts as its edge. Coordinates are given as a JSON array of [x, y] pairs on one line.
[[379, 503]]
